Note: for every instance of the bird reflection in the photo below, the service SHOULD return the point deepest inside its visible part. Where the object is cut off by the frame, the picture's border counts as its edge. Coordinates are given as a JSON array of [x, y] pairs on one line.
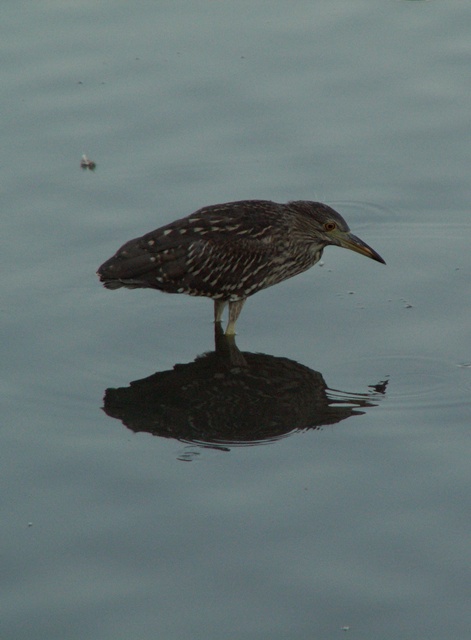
[[227, 398]]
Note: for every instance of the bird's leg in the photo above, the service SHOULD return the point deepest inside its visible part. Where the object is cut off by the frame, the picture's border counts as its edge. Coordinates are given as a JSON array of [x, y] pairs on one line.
[[219, 306], [235, 308]]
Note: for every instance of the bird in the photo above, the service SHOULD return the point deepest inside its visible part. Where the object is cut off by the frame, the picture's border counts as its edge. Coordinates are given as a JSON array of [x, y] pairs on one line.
[[230, 251]]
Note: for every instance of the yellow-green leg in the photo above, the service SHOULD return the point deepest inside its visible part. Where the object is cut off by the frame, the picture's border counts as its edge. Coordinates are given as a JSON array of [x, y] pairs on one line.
[[234, 312], [219, 306]]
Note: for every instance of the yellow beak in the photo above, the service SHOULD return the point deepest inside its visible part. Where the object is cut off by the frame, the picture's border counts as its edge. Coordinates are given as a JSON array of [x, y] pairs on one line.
[[352, 242]]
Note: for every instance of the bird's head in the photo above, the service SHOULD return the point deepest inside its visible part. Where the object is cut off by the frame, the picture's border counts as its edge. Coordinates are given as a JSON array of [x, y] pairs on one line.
[[328, 227]]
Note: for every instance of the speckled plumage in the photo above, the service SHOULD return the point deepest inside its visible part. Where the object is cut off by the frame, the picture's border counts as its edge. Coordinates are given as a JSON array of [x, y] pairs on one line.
[[230, 251]]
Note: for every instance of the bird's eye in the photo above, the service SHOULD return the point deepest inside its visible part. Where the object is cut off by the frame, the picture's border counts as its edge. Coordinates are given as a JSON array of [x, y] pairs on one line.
[[330, 226]]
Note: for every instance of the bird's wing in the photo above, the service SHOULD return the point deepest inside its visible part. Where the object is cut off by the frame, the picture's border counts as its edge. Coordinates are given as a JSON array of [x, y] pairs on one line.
[[219, 249]]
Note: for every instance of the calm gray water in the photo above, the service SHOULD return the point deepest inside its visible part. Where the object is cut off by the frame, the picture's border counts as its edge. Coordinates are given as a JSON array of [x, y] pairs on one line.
[[349, 516]]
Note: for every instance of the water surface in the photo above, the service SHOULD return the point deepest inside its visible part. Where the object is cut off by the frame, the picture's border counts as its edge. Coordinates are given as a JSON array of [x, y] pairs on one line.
[[313, 527]]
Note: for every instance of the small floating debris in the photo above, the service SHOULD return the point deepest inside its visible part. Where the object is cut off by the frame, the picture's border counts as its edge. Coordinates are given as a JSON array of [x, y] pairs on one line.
[[380, 387], [85, 163]]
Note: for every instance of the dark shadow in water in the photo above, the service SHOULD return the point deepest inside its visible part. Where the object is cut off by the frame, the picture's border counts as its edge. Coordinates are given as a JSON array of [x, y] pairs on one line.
[[226, 397]]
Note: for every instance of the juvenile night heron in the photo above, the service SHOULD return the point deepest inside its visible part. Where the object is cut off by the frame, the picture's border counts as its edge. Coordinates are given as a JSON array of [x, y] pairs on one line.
[[230, 251]]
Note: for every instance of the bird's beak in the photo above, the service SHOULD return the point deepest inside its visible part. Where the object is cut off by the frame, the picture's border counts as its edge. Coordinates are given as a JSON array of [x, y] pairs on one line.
[[349, 241]]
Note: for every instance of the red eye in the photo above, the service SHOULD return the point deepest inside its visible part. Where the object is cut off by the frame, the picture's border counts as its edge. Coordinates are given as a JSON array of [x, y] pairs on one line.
[[330, 226]]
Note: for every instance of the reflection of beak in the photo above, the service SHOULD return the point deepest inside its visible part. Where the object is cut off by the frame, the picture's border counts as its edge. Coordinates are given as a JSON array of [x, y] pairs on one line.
[[349, 241]]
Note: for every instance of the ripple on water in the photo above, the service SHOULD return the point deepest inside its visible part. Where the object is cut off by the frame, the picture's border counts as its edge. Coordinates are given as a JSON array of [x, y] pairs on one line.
[[414, 377]]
